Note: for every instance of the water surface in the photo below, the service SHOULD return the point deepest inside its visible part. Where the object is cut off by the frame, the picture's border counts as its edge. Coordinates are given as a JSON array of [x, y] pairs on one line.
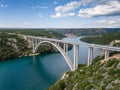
[[37, 72]]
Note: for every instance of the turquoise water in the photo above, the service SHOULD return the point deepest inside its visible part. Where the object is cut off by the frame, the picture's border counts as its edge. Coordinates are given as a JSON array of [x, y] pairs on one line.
[[37, 72]]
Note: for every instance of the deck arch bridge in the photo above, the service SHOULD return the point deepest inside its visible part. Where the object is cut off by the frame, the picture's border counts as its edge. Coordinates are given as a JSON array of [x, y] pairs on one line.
[[37, 41]]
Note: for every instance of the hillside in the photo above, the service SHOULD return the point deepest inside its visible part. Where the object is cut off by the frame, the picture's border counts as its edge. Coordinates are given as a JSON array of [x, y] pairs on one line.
[[13, 45], [104, 39], [35, 32], [87, 31], [98, 76], [82, 31]]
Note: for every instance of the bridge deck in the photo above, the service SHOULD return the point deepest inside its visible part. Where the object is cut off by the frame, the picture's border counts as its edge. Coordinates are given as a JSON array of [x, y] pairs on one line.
[[105, 47]]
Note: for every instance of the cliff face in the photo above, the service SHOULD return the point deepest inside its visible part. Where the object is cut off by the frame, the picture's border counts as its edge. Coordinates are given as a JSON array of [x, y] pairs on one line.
[[13, 46], [99, 76]]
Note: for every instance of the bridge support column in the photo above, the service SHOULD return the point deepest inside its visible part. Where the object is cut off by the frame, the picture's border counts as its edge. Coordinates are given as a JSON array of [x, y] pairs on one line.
[[36, 42], [106, 54], [58, 44], [65, 48], [90, 55], [76, 56], [33, 44]]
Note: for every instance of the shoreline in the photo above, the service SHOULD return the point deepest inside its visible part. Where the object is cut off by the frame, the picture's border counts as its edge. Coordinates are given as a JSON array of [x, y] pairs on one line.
[[31, 54]]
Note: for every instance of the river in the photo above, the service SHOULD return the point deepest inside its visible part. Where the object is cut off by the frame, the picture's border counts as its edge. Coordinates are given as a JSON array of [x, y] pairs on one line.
[[37, 72]]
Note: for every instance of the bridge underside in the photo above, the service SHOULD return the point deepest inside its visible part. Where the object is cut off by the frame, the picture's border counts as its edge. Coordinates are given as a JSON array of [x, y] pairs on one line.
[[37, 41], [62, 51]]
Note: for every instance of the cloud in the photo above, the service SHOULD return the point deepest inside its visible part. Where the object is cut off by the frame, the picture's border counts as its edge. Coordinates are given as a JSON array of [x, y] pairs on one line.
[[44, 7], [1, 25], [26, 23], [33, 7], [94, 2], [97, 8], [68, 7], [39, 7], [40, 15], [3, 5], [59, 15], [71, 6], [112, 8], [55, 2], [66, 10], [109, 22]]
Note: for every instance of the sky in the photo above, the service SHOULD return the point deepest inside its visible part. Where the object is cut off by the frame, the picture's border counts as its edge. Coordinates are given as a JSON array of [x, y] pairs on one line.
[[59, 13]]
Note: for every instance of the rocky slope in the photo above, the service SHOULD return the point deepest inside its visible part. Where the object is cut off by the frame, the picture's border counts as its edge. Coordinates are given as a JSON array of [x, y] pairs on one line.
[[98, 76], [13, 46]]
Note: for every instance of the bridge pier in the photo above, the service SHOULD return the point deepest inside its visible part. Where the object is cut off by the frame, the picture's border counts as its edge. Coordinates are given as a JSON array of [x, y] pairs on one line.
[[106, 55], [90, 55], [58, 44], [65, 48], [37, 41], [33, 44], [76, 56]]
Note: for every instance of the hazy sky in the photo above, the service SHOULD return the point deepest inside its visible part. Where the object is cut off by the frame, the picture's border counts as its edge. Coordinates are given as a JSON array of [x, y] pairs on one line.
[[59, 13]]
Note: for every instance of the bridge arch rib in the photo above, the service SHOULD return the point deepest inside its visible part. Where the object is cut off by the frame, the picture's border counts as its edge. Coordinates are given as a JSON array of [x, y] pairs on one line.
[[67, 59]]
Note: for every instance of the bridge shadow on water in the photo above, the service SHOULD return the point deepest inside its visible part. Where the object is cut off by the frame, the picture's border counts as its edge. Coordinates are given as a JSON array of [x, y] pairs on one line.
[[37, 65], [47, 73]]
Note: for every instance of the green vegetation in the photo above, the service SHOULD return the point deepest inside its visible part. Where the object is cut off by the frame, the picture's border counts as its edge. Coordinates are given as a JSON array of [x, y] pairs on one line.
[[82, 31], [13, 45], [35, 32], [87, 31], [104, 39], [99, 76]]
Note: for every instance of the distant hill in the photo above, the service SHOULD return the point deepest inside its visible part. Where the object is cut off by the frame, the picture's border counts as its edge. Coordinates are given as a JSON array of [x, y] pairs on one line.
[[111, 30], [110, 38], [75, 31], [34, 32], [87, 31]]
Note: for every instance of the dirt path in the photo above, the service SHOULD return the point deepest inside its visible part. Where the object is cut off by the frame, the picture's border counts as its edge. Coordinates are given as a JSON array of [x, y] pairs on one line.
[[116, 56]]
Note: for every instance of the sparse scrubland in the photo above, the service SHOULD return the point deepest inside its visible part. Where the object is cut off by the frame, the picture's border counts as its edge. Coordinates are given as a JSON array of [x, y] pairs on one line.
[[98, 76], [13, 45]]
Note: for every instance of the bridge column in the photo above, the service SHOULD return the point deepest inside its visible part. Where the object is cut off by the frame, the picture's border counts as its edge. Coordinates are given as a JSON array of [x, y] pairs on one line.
[[106, 54], [65, 47], [58, 44], [33, 44], [76, 56], [36, 41], [90, 55]]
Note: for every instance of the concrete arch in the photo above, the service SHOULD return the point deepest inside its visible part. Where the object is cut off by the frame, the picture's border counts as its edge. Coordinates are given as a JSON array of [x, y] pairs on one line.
[[67, 59]]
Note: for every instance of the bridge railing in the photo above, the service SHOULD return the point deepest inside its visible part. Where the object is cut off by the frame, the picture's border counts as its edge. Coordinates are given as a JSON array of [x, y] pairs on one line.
[[106, 48]]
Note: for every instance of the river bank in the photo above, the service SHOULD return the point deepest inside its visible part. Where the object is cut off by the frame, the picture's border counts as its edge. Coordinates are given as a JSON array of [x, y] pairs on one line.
[[15, 46], [62, 82], [40, 71], [103, 76]]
